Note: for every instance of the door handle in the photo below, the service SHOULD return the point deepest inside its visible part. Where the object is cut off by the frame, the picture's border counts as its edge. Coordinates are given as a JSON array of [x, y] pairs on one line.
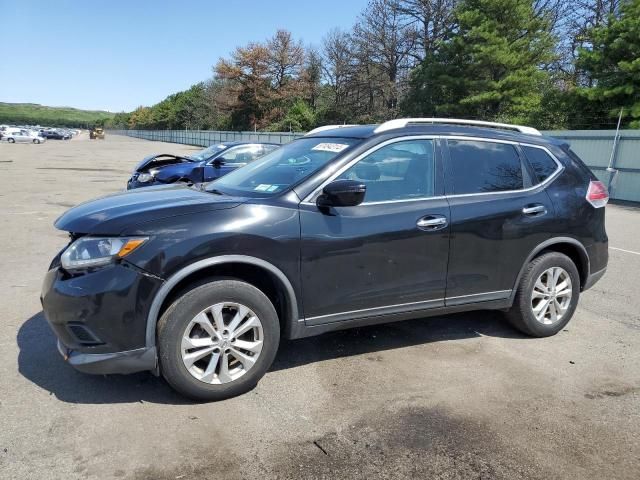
[[432, 222], [534, 210]]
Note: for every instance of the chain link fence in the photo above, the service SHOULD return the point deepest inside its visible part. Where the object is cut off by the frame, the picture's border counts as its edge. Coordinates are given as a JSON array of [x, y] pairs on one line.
[[204, 138]]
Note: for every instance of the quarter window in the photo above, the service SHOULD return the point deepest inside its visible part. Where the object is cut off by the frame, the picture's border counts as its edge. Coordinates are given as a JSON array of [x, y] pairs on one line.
[[481, 167], [542, 163], [399, 171]]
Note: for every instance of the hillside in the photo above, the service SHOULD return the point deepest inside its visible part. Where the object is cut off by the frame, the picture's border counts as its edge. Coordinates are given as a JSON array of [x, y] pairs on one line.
[[34, 114]]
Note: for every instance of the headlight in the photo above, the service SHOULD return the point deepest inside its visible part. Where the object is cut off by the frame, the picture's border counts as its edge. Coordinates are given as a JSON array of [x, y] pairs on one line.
[[145, 177], [96, 251]]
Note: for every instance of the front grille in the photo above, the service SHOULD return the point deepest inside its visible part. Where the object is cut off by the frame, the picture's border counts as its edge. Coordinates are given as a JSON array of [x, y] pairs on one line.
[[83, 335]]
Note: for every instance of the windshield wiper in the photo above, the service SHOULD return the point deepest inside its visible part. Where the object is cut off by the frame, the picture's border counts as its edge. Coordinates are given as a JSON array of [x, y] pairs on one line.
[[215, 191]]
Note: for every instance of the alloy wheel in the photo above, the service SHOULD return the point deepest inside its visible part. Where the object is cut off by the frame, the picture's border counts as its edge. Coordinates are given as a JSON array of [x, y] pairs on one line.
[[222, 343], [551, 296]]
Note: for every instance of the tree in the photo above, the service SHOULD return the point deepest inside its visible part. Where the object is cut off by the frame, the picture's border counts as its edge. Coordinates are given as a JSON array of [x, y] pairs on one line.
[[613, 62], [299, 118], [284, 60], [433, 22], [491, 68], [261, 80], [338, 67], [383, 42], [246, 85], [140, 118], [572, 23], [311, 77]]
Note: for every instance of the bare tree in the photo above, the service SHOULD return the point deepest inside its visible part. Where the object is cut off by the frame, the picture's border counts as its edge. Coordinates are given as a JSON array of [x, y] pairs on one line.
[[338, 66], [432, 20], [285, 58], [312, 76], [383, 43], [572, 21]]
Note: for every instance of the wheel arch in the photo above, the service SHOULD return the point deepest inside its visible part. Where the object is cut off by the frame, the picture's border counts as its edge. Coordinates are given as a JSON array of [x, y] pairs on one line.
[[219, 266], [568, 246]]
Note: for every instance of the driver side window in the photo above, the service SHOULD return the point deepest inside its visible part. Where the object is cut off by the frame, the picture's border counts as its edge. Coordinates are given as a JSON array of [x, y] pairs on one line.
[[398, 171]]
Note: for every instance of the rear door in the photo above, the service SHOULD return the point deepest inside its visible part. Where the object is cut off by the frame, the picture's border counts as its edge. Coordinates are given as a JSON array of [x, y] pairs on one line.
[[498, 216], [386, 255]]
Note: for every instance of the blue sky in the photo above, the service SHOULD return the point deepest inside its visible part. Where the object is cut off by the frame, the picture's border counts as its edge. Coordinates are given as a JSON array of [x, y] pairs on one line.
[[115, 54]]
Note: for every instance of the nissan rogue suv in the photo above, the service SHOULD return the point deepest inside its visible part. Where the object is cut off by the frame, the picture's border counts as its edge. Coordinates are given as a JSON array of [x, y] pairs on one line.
[[344, 227]]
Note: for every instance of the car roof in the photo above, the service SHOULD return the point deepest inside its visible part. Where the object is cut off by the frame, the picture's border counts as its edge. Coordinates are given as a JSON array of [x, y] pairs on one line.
[[444, 129]]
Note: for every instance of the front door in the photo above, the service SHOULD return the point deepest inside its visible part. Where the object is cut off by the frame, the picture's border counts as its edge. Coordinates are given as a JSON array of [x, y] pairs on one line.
[[387, 255]]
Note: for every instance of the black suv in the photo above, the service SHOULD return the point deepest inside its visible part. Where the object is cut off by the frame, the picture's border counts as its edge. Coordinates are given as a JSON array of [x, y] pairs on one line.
[[341, 228]]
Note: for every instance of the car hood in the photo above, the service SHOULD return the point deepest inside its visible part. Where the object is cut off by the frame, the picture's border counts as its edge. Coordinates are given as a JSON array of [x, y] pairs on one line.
[[161, 159], [111, 215]]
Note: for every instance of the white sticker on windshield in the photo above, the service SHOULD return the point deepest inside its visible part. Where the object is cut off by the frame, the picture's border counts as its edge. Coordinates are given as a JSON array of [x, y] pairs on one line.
[[330, 147], [272, 188], [263, 187]]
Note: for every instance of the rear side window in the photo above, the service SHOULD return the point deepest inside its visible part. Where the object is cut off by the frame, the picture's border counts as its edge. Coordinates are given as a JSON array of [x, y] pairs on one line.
[[481, 167], [541, 161]]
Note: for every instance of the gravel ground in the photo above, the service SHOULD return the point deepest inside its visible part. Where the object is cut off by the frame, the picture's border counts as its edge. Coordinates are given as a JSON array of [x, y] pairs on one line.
[[462, 396]]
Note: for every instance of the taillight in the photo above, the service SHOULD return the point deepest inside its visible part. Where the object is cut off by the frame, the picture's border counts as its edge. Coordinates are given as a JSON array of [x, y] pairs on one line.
[[597, 194]]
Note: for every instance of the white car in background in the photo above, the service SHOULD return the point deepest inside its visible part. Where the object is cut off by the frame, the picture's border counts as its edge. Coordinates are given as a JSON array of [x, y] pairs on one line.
[[17, 135]]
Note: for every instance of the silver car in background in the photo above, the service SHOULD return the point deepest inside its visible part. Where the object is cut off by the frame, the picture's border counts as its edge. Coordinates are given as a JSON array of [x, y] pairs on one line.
[[22, 136]]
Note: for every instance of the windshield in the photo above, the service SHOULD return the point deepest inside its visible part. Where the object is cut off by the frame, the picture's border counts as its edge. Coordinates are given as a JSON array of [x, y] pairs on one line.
[[208, 152], [282, 168]]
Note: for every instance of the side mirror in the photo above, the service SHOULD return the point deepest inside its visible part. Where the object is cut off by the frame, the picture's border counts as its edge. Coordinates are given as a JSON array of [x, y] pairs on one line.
[[342, 193]]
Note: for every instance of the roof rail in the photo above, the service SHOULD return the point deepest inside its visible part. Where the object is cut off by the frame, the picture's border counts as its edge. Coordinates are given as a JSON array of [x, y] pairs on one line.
[[326, 127], [403, 122]]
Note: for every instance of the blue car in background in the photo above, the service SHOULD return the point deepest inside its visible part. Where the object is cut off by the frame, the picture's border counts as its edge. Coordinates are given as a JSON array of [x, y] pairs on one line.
[[204, 166]]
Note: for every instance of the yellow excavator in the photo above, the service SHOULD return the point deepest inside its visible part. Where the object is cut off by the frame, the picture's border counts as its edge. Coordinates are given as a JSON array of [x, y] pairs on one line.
[[97, 132]]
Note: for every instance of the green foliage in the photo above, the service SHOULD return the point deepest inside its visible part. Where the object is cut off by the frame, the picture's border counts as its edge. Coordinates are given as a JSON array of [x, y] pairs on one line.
[[33, 114], [489, 68], [613, 62], [192, 108], [300, 117]]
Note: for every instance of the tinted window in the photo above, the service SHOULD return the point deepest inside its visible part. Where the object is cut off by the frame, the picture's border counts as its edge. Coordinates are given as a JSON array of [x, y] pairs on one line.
[[399, 171], [542, 163], [283, 167], [480, 167]]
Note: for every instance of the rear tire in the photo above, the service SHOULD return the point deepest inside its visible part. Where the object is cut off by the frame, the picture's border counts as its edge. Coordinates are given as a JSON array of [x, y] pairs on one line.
[[547, 295], [200, 324], [11, 140]]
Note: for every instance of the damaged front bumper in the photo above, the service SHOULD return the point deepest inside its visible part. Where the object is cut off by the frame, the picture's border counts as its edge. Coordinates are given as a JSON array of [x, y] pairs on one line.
[[100, 317], [131, 361]]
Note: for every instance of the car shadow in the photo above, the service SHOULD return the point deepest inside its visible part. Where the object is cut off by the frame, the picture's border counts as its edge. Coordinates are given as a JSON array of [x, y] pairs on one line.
[[40, 362], [389, 336]]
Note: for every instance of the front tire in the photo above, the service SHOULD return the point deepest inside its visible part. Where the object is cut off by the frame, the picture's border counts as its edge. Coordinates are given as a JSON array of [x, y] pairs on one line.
[[36, 141], [547, 295], [218, 340]]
